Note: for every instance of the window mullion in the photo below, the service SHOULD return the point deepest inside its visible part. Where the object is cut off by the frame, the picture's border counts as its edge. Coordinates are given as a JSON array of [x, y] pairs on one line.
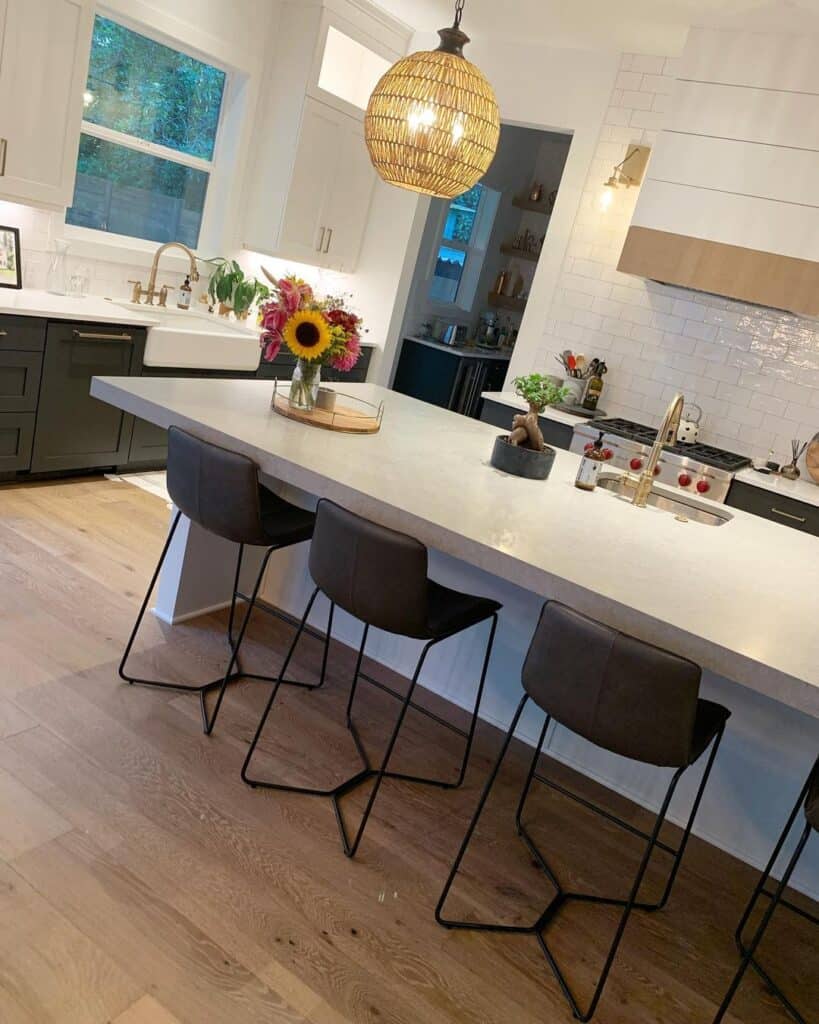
[[142, 146]]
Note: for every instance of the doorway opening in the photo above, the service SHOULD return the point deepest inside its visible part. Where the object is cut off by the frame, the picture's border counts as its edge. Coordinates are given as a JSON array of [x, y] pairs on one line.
[[476, 265]]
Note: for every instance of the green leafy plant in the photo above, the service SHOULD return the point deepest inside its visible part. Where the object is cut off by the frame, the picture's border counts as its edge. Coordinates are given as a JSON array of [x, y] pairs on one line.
[[538, 392], [230, 287]]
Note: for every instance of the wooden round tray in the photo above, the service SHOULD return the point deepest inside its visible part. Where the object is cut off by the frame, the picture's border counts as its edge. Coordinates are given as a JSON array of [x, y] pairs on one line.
[[342, 418]]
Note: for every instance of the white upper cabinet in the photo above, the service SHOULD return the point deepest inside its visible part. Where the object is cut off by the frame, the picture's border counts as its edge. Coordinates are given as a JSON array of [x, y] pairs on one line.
[[43, 69], [310, 180]]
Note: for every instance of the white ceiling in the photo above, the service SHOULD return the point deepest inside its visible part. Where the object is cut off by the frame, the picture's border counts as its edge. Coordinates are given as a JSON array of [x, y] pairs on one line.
[[642, 26]]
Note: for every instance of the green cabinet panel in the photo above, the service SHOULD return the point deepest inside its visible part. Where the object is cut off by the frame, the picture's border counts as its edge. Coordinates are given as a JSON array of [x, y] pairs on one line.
[[22, 333], [19, 380], [16, 436]]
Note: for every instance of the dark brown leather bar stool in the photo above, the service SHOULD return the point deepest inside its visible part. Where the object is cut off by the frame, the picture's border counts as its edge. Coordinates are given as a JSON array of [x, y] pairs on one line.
[[220, 491], [380, 577], [808, 803], [623, 695]]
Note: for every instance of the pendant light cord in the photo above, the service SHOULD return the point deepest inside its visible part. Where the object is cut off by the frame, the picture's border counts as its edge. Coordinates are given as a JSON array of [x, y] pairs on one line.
[[459, 10]]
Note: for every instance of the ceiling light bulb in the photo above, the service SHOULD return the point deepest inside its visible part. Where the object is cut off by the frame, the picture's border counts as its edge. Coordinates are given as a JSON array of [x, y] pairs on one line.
[[605, 199]]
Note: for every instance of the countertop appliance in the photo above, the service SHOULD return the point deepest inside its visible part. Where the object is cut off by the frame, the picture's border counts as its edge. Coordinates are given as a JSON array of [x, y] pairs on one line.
[[699, 468]]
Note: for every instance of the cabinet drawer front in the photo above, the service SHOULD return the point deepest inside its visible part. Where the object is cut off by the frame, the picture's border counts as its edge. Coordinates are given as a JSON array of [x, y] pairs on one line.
[[779, 509], [22, 333], [16, 436], [19, 381]]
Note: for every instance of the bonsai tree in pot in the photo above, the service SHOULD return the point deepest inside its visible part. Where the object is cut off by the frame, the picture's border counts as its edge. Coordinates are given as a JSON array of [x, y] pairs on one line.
[[523, 451]]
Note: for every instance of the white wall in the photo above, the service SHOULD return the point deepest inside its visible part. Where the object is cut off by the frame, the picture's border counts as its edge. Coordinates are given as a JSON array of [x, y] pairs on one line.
[[754, 371]]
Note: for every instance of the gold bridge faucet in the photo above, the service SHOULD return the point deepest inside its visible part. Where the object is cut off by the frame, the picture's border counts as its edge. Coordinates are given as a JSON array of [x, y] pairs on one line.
[[150, 291], [667, 434]]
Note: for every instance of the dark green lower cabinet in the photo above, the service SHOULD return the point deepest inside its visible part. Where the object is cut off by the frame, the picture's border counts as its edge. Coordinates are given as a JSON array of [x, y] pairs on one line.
[[75, 431], [16, 437]]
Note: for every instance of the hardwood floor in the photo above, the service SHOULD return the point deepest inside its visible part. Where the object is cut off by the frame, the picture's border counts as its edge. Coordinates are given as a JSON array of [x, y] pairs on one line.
[[142, 883]]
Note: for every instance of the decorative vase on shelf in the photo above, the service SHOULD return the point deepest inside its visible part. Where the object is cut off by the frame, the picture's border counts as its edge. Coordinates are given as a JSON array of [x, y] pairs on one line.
[[304, 386]]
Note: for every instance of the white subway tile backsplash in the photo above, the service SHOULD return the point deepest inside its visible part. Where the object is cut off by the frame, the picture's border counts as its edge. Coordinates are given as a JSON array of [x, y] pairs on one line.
[[753, 371]]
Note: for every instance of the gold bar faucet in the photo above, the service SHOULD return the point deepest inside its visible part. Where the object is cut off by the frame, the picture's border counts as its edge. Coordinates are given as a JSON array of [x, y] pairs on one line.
[[150, 291], [667, 434]]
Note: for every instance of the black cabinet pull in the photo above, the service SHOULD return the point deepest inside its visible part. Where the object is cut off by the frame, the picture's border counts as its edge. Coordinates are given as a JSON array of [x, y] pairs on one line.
[[788, 515], [92, 336]]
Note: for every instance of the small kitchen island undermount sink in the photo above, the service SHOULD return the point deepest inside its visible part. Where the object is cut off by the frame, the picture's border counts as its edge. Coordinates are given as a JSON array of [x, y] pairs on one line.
[[684, 509], [735, 600]]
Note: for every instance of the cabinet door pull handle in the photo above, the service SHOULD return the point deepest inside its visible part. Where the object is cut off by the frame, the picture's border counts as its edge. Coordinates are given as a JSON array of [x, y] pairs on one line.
[[4, 145], [92, 336], [789, 515], [320, 246], [3, 334], [329, 239]]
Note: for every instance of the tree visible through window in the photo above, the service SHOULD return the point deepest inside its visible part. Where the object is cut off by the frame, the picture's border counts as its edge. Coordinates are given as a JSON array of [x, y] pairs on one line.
[[467, 227], [148, 138]]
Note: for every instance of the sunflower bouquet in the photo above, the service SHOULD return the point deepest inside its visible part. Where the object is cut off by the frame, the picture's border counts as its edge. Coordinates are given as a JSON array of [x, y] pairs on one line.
[[319, 332]]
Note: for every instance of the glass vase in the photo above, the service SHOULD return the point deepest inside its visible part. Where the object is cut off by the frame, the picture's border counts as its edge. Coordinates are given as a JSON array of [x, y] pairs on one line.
[[304, 386], [57, 277]]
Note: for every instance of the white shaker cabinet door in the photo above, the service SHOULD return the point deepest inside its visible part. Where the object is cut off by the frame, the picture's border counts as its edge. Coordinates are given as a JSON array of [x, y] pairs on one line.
[[305, 233], [43, 71], [350, 199]]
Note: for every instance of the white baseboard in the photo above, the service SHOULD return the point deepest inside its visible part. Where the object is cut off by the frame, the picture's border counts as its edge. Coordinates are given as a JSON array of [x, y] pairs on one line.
[[177, 619]]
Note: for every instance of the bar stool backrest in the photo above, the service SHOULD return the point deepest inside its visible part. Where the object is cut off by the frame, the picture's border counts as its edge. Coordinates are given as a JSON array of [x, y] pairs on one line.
[[374, 573], [620, 693], [215, 487]]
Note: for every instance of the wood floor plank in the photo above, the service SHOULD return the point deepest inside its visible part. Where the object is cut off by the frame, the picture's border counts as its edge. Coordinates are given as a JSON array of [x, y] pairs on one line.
[[146, 1011], [50, 973], [26, 821], [13, 719], [216, 903]]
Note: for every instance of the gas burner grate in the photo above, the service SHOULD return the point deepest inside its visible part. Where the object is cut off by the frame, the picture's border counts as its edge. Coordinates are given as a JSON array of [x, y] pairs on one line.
[[732, 462], [627, 428]]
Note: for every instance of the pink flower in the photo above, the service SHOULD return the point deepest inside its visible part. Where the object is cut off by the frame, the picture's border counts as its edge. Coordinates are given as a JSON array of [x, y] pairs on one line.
[[274, 318], [291, 295], [271, 343], [347, 359]]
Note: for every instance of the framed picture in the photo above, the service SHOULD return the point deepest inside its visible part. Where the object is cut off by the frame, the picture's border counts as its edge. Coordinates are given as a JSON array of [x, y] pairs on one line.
[[11, 275]]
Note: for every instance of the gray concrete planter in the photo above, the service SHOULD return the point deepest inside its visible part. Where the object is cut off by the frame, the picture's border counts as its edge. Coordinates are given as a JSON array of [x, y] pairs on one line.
[[518, 461]]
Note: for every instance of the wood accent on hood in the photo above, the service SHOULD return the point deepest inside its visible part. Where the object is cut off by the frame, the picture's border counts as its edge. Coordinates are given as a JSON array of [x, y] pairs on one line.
[[765, 278]]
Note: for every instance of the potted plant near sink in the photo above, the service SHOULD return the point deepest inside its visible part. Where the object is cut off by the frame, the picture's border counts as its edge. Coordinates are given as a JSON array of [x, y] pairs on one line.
[[523, 452], [233, 290]]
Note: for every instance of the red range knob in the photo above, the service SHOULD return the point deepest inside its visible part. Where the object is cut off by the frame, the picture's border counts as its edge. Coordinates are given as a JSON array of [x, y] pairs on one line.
[[703, 486], [608, 453], [684, 480], [588, 447], [657, 471], [636, 464]]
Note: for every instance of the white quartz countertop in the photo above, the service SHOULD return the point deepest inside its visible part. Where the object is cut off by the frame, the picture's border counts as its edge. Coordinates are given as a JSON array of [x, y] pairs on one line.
[[741, 599], [465, 351], [92, 308], [803, 489], [549, 413]]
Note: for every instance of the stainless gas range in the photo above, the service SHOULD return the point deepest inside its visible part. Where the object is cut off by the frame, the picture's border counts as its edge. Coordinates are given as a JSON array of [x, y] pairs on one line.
[[690, 467]]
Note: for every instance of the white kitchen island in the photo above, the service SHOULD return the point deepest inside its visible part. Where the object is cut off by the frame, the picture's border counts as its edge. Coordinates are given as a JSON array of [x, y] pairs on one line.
[[741, 599]]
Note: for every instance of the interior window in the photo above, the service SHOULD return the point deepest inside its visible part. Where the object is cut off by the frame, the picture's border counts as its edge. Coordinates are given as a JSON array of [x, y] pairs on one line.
[[465, 236], [148, 138]]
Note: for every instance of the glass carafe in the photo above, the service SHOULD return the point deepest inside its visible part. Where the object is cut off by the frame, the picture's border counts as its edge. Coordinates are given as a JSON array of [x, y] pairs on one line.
[[57, 278]]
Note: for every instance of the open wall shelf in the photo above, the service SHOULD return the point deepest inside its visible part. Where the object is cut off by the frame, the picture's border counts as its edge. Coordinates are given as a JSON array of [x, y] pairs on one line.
[[521, 254]]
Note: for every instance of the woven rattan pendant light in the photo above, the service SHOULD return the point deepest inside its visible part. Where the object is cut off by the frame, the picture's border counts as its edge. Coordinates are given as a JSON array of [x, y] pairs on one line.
[[432, 122]]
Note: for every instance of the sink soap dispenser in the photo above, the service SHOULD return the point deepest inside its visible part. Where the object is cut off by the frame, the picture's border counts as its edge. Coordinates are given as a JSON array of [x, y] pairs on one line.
[[185, 291]]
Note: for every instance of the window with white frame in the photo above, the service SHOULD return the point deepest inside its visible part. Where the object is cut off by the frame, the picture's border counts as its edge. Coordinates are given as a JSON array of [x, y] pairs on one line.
[[458, 259], [148, 139]]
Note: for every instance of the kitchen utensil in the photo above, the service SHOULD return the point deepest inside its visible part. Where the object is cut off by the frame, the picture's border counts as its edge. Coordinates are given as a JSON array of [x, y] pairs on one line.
[[689, 430]]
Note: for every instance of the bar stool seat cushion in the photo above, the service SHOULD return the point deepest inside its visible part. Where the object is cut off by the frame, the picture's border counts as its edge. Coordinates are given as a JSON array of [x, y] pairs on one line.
[[450, 611], [812, 801], [283, 523]]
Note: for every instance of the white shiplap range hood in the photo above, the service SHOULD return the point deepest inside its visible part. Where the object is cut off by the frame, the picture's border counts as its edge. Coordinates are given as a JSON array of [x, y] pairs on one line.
[[730, 201]]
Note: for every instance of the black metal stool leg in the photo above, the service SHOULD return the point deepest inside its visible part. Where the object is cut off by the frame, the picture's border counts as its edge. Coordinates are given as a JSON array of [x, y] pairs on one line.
[[747, 959], [447, 922], [210, 721], [533, 849], [282, 787], [350, 848], [144, 606]]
